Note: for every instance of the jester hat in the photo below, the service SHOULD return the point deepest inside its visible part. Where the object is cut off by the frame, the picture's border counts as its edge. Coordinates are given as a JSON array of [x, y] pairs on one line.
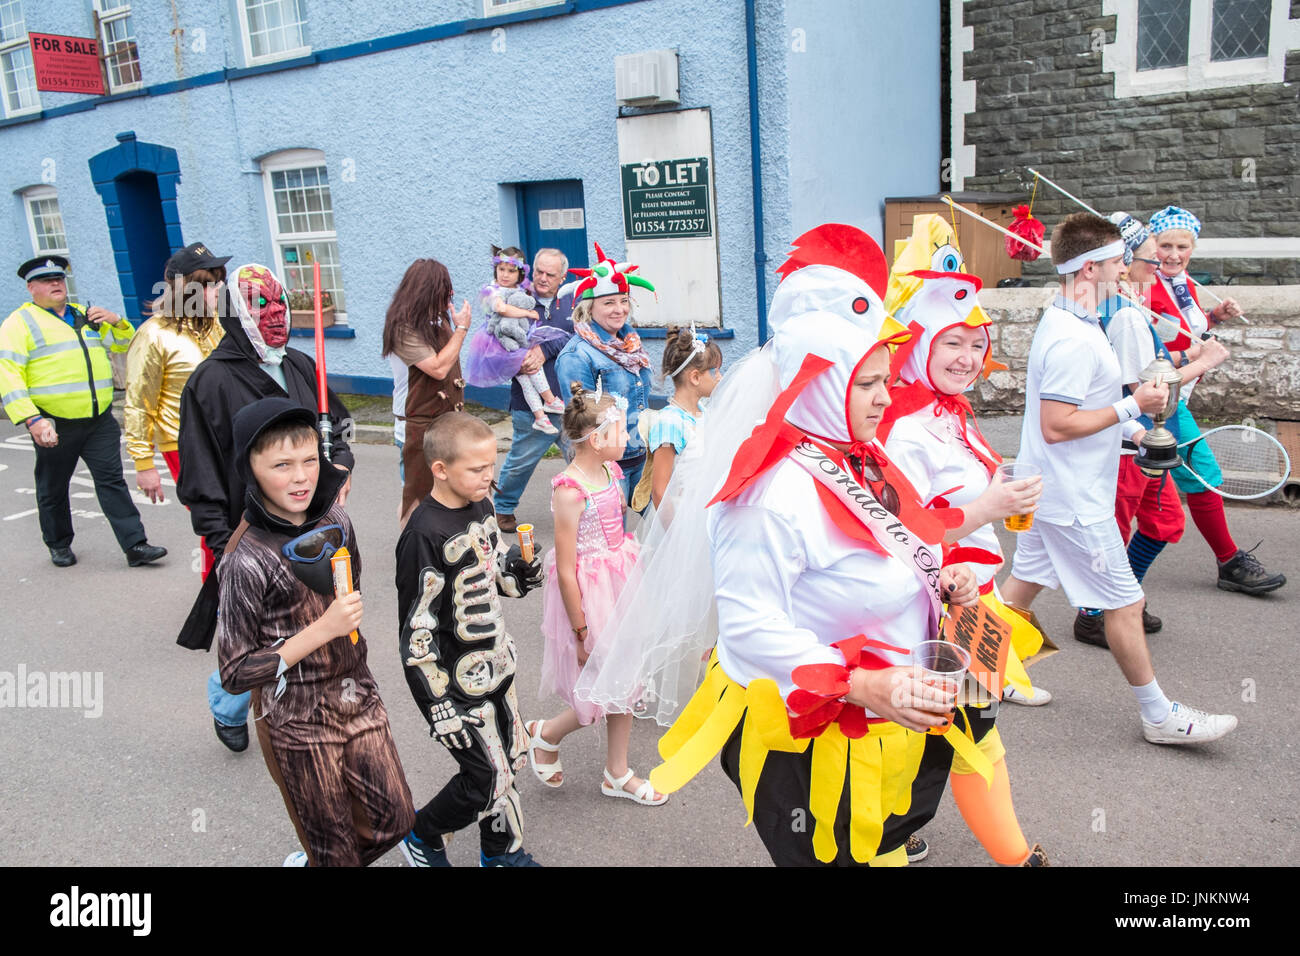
[[606, 277]]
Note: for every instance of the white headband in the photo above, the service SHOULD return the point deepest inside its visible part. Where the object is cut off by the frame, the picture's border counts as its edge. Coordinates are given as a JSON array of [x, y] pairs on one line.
[[699, 345], [1108, 251], [608, 417]]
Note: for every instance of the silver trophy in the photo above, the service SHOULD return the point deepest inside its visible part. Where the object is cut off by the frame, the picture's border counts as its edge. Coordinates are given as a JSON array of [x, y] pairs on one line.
[[1158, 451]]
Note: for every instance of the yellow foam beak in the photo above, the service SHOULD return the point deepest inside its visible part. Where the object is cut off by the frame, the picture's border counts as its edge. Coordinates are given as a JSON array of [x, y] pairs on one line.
[[892, 327], [977, 318]]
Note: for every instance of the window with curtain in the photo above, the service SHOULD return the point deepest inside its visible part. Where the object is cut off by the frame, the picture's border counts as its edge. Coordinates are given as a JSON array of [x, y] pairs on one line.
[[121, 56], [17, 76], [301, 213], [273, 29], [45, 225]]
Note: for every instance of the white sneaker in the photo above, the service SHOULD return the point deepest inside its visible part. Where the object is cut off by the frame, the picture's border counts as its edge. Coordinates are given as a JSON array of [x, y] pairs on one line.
[[1187, 725], [554, 407], [1012, 696], [545, 427], [296, 858]]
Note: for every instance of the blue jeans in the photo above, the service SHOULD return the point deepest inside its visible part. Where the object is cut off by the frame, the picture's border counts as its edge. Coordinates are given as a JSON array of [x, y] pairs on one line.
[[229, 709], [631, 475], [401, 462], [527, 446]]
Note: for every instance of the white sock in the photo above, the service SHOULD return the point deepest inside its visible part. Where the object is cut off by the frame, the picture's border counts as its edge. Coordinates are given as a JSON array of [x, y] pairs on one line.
[[1155, 705]]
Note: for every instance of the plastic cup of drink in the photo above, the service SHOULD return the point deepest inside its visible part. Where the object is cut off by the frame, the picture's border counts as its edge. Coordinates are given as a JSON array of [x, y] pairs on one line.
[[943, 666], [526, 544], [1018, 471]]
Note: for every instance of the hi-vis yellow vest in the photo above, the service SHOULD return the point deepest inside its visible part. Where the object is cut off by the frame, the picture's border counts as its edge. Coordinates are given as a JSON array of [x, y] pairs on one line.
[[48, 368]]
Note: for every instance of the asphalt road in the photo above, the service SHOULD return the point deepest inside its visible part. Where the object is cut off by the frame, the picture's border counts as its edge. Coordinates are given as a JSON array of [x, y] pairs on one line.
[[145, 782]]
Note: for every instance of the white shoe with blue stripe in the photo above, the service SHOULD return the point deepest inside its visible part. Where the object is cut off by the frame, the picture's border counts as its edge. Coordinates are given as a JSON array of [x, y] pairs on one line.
[[1187, 725]]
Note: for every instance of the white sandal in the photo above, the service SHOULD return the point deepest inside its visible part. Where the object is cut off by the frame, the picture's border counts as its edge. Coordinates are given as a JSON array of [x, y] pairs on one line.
[[545, 772], [643, 794]]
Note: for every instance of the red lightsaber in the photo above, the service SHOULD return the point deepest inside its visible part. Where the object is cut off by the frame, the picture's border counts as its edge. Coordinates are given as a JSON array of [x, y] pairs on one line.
[[322, 390]]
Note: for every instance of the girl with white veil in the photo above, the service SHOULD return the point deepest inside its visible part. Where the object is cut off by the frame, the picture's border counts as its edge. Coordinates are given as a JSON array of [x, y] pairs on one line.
[[816, 571]]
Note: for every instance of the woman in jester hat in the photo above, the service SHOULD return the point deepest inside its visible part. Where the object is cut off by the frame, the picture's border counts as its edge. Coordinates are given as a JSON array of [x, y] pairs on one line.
[[606, 352], [929, 431], [826, 572]]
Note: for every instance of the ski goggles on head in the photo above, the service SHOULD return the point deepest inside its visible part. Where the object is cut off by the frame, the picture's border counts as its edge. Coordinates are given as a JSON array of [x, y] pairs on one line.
[[316, 544]]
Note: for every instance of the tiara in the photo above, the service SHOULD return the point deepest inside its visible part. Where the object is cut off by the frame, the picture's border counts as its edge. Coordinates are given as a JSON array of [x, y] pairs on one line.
[[608, 417], [511, 261]]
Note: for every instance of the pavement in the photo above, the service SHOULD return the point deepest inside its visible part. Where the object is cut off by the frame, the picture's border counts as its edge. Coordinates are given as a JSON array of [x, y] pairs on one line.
[[133, 774]]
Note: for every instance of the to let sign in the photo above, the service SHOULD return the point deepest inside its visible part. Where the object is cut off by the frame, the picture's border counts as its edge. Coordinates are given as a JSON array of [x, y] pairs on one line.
[[66, 64], [667, 199]]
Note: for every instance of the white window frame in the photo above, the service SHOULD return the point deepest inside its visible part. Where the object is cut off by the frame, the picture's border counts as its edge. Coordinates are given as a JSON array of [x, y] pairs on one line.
[[1200, 73], [9, 46], [279, 162], [247, 40], [109, 11], [34, 194], [491, 9]]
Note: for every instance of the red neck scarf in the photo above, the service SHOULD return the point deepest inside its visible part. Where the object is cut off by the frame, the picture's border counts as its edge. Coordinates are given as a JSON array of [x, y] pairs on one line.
[[908, 399]]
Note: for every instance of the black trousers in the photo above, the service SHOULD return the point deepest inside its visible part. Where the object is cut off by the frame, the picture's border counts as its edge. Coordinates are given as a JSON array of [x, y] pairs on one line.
[[469, 793], [97, 442], [785, 823], [932, 779]]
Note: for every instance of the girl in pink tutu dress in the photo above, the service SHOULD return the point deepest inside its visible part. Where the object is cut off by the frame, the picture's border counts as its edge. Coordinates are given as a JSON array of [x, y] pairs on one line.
[[585, 573]]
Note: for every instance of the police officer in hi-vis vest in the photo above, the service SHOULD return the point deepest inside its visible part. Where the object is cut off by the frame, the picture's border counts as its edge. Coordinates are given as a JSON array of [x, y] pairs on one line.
[[55, 378]]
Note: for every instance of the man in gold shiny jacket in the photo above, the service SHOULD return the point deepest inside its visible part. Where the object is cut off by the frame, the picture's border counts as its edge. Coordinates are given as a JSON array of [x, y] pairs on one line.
[[182, 331]]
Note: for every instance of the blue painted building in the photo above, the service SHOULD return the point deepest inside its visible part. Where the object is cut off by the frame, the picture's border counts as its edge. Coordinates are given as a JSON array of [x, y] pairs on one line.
[[366, 135]]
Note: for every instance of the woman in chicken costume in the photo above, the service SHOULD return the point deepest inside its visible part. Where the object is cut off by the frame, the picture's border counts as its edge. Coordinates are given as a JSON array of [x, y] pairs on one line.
[[929, 431], [827, 573]]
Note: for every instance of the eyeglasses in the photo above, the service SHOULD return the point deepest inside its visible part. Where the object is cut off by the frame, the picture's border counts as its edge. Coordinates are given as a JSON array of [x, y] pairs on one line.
[[1150, 262], [311, 547], [872, 473]]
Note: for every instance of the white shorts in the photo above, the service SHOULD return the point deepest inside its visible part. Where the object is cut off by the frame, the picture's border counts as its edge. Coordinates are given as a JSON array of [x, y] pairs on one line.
[[1090, 562]]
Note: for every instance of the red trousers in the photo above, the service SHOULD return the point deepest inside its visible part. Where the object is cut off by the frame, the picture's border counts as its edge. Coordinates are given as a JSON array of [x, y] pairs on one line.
[[1153, 501], [173, 459]]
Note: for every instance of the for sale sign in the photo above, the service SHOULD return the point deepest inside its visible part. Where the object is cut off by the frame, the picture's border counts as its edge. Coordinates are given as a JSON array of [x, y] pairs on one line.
[[66, 64]]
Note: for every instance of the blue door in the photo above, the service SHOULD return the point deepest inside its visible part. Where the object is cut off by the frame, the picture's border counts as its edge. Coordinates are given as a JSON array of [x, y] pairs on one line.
[[551, 215], [147, 248]]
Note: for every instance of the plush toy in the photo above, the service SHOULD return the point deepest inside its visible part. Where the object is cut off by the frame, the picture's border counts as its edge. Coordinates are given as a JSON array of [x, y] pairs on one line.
[[512, 333]]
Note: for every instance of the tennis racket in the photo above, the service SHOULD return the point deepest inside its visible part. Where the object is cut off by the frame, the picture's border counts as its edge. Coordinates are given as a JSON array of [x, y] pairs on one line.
[[1252, 462]]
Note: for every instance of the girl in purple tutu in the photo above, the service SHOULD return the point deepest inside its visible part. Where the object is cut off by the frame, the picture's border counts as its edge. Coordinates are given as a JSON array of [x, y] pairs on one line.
[[497, 349]]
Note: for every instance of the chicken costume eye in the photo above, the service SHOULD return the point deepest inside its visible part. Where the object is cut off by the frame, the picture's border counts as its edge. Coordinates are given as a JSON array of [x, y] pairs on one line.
[[861, 305], [947, 258]]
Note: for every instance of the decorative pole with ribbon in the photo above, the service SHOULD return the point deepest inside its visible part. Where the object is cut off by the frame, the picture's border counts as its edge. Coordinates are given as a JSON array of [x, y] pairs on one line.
[[1080, 202], [322, 389], [1166, 328]]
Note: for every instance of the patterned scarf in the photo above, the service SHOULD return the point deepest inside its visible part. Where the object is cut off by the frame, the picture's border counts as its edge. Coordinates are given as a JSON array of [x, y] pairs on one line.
[[625, 348]]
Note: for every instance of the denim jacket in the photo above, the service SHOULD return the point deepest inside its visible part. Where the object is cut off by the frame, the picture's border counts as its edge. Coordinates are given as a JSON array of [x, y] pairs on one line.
[[580, 362]]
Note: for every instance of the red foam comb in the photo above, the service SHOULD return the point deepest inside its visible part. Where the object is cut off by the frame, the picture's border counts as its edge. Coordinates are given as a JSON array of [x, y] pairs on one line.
[[842, 247]]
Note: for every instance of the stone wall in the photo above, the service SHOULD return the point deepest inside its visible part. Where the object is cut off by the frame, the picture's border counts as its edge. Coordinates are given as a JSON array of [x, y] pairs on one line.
[[1261, 379], [1043, 100]]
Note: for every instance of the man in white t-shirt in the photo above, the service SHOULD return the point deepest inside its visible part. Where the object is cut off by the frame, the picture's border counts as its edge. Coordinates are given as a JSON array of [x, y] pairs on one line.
[[1075, 418]]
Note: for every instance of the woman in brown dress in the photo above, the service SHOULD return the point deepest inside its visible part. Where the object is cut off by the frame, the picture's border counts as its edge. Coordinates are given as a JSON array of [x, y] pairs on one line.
[[422, 330]]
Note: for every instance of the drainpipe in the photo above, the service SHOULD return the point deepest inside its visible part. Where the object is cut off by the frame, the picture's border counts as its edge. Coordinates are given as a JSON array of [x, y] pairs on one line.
[[756, 167]]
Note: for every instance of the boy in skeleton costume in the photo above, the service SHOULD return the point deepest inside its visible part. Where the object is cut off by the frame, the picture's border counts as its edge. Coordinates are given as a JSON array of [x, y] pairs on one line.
[[460, 662], [284, 635]]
